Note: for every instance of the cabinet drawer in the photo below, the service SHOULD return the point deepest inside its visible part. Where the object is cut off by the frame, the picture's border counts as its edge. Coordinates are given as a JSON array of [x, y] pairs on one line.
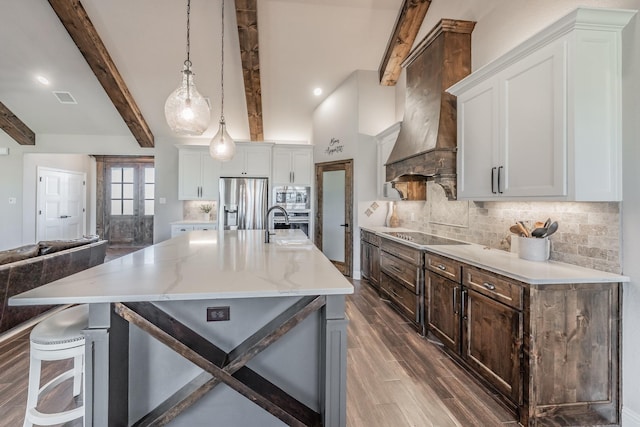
[[177, 229], [493, 286], [370, 237], [443, 266], [402, 297], [400, 270], [402, 251]]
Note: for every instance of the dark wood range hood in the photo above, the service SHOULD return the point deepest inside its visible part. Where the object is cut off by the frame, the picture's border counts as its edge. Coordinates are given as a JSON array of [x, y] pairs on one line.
[[426, 146]]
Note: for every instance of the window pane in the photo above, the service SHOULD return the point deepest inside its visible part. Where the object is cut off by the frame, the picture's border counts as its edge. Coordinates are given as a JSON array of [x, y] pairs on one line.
[[149, 175], [116, 191], [127, 174], [149, 191], [148, 207], [116, 174], [116, 207], [127, 191], [127, 207]]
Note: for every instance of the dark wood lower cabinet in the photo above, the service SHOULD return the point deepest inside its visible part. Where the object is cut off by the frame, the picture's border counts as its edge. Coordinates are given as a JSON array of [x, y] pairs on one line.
[[402, 280], [549, 352], [443, 310], [491, 342], [370, 258]]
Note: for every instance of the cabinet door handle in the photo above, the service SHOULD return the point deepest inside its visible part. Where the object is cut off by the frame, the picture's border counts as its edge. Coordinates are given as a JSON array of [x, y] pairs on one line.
[[420, 294], [489, 286], [493, 172], [293, 177], [463, 298], [455, 300], [65, 216], [500, 173]]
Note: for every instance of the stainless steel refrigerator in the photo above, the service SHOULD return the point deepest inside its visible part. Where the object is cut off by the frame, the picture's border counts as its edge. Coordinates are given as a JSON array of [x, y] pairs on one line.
[[243, 203]]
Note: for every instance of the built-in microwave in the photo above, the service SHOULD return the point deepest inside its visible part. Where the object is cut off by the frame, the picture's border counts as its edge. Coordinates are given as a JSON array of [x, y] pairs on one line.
[[292, 198]]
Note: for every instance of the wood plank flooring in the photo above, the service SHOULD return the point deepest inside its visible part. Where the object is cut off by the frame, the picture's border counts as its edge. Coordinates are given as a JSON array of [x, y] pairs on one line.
[[395, 378]]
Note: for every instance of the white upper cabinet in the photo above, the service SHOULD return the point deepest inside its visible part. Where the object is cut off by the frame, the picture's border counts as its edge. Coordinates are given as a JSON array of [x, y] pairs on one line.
[[293, 165], [198, 174], [543, 122], [250, 160]]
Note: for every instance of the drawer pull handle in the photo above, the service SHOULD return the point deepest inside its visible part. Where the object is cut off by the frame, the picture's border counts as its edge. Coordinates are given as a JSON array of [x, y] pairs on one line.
[[394, 268], [395, 294], [441, 267], [489, 286]]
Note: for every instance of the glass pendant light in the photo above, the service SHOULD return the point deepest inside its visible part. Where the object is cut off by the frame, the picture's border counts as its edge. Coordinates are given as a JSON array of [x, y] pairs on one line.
[[222, 146], [186, 111]]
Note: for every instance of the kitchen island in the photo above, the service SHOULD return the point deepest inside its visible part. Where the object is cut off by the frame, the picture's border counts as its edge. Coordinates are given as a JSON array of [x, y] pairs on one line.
[[159, 349]]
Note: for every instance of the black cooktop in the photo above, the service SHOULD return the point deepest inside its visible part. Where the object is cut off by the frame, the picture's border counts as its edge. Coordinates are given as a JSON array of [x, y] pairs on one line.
[[422, 238]]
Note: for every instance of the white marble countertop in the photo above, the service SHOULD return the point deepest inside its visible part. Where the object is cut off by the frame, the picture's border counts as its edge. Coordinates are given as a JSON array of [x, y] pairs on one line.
[[508, 264], [202, 265]]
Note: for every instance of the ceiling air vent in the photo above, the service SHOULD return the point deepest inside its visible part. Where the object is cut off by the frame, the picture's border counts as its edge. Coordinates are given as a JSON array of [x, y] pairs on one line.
[[65, 97]]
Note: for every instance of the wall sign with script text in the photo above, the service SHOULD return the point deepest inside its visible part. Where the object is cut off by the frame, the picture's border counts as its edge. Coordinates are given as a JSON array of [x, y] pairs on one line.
[[334, 147]]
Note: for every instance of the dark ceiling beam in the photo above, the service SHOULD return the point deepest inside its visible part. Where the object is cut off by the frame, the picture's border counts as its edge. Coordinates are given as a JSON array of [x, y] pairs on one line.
[[84, 34], [408, 23], [15, 128], [247, 17]]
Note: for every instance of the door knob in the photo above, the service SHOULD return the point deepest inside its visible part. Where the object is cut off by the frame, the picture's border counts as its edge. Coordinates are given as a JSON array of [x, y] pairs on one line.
[[344, 225]]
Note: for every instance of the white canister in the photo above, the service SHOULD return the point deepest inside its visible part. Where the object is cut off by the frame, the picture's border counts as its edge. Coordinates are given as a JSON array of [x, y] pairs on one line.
[[534, 249]]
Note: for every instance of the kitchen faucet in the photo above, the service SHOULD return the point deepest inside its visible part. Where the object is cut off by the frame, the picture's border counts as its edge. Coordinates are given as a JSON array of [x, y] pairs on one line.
[[266, 220]]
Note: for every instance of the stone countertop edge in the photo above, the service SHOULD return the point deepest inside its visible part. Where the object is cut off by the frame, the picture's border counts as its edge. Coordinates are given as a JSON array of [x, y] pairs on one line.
[[192, 221], [508, 264], [201, 265]]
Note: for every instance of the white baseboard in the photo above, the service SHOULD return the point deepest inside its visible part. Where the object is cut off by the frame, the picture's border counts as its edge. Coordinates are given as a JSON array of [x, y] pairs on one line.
[[357, 275], [630, 418]]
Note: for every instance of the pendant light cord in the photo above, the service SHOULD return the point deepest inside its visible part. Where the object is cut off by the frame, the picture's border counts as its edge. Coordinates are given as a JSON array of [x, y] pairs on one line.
[[222, 68], [188, 61]]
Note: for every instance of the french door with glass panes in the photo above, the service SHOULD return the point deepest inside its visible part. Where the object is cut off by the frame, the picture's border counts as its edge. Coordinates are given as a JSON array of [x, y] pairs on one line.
[[130, 203]]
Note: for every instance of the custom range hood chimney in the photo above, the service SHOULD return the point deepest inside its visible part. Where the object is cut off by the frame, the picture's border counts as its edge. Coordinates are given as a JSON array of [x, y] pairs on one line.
[[426, 146]]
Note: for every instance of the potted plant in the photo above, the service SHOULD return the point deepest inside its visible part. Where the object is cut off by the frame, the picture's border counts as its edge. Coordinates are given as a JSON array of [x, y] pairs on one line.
[[206, 209]]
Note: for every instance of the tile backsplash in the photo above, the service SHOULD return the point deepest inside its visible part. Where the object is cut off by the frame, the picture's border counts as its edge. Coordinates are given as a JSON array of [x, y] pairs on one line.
[[191, 210], [588, 233]]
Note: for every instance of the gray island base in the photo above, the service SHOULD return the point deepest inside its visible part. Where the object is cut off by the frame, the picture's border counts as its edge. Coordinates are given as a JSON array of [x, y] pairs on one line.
[[280, 359]]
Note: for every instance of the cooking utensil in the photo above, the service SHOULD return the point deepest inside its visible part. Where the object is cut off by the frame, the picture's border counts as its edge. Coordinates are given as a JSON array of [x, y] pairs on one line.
[[553, 227], [525, 230], [539, 232], [547, 223], [538, 224], [515, 229]]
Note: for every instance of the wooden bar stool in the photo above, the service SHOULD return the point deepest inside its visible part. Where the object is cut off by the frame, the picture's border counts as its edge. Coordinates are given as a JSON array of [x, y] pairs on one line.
[[57, 337]]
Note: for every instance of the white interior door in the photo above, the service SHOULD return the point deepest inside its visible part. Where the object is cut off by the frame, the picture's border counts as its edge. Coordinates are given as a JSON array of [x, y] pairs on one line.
[[61, 204], [333, 202]]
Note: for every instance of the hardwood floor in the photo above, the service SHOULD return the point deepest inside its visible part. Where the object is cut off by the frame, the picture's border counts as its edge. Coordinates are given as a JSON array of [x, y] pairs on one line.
[[397, 378], [394, 376]]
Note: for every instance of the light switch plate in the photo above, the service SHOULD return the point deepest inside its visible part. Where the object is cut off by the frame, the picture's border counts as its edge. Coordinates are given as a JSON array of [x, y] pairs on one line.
[[4, 151]]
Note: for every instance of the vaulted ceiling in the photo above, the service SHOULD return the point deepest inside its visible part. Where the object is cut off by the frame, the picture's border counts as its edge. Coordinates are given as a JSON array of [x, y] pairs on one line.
[[303, 44]]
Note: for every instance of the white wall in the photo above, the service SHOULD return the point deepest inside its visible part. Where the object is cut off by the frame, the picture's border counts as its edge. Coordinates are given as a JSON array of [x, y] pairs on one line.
[[354, 113], [63, 151], [68, 162], [631, 222]]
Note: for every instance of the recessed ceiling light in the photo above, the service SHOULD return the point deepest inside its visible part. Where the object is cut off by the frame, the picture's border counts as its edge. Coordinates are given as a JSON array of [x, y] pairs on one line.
[[43, 80], [317, 91]]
